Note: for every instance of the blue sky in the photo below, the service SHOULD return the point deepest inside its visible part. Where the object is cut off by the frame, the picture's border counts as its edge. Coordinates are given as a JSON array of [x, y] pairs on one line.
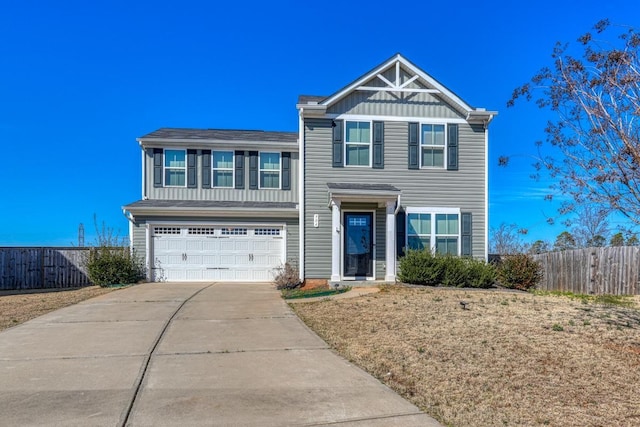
[[79, 81]]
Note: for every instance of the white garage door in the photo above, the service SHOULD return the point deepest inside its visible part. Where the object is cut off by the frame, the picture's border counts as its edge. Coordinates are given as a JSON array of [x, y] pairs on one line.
[[202, 253]]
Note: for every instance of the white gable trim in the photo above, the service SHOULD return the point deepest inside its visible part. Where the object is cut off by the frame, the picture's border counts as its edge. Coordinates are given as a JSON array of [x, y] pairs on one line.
[[398, 60]]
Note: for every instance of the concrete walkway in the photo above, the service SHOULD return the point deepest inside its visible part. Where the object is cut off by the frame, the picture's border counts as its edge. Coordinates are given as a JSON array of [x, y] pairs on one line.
[[186, 354]]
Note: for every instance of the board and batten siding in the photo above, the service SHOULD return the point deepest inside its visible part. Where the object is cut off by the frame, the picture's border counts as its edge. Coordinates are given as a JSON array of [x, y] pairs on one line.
[[227, 194], [464, 188], [386, 104], [383, 104], [292, 241]]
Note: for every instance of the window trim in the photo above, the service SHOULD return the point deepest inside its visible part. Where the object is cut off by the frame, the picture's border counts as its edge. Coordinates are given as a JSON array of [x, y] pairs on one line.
[[260, 170], [232, 169], [346, 143], [421, 144], [165, 167], [433, 236]]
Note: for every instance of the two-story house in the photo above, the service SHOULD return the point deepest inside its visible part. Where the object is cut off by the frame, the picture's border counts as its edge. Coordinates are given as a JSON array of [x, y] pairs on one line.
[[392, 160]]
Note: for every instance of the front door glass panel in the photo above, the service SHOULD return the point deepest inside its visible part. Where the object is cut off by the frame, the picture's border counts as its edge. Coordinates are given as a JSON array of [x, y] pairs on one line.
[[358, 244]]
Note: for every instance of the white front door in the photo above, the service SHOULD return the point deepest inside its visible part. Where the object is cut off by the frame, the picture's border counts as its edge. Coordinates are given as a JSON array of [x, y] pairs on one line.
[[215, 253]]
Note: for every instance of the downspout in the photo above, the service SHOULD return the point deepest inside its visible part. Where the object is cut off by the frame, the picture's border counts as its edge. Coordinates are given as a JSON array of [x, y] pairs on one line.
[[144, 174], [132, 222], [301, 164], [486, 188]]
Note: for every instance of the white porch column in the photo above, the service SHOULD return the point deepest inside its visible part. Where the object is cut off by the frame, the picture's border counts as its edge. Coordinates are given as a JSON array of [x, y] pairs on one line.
[[390, 248], [335, 240]]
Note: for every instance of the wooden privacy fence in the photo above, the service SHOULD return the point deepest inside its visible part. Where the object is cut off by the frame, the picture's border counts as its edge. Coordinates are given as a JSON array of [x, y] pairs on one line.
[[610, 270], [42, 268]]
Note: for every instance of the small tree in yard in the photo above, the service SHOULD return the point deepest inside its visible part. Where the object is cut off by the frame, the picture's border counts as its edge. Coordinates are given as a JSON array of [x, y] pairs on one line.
[[519, 272], [110, 261], [596, 99], [506, 239], [564, 242]]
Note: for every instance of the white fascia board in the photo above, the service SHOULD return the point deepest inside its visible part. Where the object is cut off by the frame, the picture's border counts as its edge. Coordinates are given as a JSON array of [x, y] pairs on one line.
[[371, 74], [481, 116], [457, 101], [312, 110], [208, 212], [209, 143]]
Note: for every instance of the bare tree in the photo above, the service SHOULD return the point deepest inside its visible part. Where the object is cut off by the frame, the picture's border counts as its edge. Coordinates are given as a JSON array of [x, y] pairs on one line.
[[590, 227], [596, 97], [506, 239]]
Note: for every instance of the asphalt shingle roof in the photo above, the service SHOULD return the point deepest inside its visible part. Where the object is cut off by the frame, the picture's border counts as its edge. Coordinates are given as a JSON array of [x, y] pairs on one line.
[[208, 204], [305, 99], [222, 134], [362, 187]]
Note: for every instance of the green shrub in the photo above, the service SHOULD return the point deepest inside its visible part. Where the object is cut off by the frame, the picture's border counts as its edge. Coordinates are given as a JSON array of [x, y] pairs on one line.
[[421, 268], [287, 276], [425, 268], [455, 271], [519, 271], [113, 265], [480, 274]]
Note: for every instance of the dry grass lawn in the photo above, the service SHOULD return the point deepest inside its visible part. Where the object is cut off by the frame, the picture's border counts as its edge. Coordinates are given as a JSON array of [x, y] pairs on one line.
[[19, 306], [508, 359]]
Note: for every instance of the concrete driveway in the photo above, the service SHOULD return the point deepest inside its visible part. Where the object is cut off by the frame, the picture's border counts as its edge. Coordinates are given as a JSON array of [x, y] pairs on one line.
[[186, 354]]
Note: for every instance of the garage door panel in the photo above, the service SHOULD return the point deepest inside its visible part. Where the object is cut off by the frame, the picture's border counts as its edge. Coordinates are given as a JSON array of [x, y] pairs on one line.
[[194, 245], [211, 245], [207, 253]]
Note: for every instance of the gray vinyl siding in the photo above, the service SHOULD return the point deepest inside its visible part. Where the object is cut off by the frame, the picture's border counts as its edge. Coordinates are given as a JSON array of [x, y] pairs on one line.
[[292, 234], [384, 104], [464, 188], [227, 194], [139, 238]]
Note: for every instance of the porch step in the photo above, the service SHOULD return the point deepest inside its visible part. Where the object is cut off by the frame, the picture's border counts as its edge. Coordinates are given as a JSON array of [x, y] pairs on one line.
[[359, 283]]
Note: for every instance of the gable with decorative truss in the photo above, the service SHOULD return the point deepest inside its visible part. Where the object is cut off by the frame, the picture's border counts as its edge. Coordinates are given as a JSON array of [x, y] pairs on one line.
[[397, 88]]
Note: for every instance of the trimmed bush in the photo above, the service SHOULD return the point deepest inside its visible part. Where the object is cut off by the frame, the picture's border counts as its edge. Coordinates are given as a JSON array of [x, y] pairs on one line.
[[421, 268], [455, 271], [425, 268], [114, 266], [480, 274], [519, 271], [287, 276]]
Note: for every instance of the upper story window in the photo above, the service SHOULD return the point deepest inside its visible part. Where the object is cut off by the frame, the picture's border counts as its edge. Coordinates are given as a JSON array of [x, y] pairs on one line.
[[358, 144], [223, 169], [175, 168], [437, 230], [269, 170], [432, 145]]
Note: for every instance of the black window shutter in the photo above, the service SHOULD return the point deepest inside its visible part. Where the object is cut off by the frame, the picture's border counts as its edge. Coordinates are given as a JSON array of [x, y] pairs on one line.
[[414, 162], [253, 170], [206, 168], [286, 171], [239, 169], [378, 145], [400, 233], [192, 179], [466, 234], [157, 167], [338, 161], [452, 147]]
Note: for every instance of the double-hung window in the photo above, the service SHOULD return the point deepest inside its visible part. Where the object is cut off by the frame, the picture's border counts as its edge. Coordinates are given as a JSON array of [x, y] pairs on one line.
[[435, 229], [358, 144], [432, 146], [223, 169], [270, 170], [175, 168]]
